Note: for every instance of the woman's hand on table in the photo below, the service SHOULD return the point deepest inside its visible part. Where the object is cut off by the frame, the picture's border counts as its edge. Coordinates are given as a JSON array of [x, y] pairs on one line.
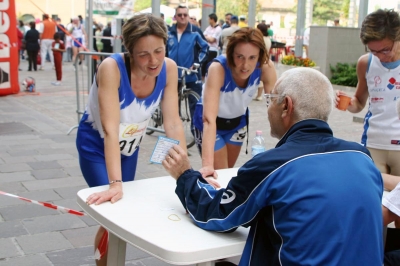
[[113, 194], [210, 175]]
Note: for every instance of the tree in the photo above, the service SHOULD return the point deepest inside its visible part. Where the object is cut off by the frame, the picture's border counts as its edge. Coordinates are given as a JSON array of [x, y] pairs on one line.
[[236, 7], [143, 4], [324, 10], [345, 8]]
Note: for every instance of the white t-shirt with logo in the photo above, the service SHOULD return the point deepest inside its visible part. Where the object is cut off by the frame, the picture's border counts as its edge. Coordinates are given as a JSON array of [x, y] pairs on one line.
[[381, 123]]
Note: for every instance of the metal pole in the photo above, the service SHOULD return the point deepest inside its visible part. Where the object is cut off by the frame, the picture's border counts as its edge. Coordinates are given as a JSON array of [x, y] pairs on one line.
[[252, 13], [362, 12], [352, 13], [309, 13], [89, 43], [118, 32], [155, 7], [301, 10], [207, 9]]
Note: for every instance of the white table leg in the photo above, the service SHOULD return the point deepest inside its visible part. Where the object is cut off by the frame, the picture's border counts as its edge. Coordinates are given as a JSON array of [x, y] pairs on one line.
[[116, 250], [209, 263]]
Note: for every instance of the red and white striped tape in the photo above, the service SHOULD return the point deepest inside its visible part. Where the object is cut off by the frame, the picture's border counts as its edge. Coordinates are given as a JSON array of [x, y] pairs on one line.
[[45, 204], [101, 249], [291, 37]]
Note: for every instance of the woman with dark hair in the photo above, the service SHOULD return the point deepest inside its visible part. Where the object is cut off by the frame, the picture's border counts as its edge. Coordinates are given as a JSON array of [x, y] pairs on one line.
[[32, 45], [221, 115], [378, 73], [126, 91]]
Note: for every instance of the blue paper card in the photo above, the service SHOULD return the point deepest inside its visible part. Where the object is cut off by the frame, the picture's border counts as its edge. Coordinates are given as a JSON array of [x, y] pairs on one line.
[[161, 149]]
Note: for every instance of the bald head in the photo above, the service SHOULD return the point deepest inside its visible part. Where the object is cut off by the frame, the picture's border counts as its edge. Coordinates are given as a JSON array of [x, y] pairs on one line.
[[310, 91]]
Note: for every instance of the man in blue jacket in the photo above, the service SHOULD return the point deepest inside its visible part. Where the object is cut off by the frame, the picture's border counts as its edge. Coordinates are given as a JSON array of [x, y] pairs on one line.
[[186, 45], [312, 200]]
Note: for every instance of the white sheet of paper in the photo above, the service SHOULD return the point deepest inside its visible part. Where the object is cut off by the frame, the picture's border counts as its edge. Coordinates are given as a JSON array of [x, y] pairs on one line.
[[57, 46], [161, 149]]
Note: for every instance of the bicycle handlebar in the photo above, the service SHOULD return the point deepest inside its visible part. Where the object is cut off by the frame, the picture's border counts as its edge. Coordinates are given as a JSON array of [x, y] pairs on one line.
[[187, 71]]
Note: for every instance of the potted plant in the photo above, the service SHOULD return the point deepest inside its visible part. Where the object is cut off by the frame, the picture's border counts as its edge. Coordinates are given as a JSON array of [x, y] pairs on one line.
[[291, 61]]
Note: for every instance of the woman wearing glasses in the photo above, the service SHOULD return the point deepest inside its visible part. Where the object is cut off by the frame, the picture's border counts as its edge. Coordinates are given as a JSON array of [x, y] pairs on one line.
[[221, 116], [378, 74]]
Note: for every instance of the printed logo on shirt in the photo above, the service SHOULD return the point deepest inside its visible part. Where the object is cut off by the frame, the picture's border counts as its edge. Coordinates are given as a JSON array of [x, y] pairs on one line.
[[378, 89], [377, 99], [228, 197], [395, 142], [396, 98], [377, 81], [393, 84], [130, 130]]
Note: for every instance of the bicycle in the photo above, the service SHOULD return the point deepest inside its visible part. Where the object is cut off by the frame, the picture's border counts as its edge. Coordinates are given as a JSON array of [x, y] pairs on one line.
[[185, 96]]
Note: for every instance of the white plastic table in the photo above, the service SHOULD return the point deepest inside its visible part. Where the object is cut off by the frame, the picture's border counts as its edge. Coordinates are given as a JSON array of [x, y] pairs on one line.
[[151, 217]]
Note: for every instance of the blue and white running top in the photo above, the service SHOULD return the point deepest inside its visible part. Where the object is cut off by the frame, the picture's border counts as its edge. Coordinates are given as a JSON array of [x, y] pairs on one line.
[[381, 123], [134, 116], [233, 100]]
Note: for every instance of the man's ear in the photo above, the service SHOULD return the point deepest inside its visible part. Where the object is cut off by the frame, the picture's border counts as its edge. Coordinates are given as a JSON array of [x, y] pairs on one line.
[[287, 107]]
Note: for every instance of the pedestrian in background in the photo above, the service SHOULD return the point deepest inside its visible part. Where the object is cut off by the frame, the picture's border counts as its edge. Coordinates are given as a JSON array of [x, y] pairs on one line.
[[20, 37], [79, 36], [212, 34], [47, 30], [107, 48], [32, 46], [58, 48]]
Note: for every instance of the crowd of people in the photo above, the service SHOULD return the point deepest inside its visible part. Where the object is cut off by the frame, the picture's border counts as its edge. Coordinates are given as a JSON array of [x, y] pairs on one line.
[[300, 211], [51, 41]]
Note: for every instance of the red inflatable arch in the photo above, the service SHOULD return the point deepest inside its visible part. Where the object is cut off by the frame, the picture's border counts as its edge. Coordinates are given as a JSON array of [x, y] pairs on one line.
[[8, 49]]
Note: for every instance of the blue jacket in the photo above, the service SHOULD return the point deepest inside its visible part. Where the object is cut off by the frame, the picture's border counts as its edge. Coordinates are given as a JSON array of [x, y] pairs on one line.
[[191, 48], [312, 200]]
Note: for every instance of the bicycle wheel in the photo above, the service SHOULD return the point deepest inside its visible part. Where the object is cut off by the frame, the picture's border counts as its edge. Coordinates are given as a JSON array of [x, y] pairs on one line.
[[186, 101], [156, 121]]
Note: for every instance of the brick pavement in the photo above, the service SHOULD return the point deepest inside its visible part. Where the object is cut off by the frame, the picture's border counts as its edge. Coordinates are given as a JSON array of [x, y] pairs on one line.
[[38, 160]]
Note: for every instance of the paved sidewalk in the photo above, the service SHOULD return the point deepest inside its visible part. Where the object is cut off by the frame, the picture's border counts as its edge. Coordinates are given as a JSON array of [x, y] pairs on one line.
[[39, 161]]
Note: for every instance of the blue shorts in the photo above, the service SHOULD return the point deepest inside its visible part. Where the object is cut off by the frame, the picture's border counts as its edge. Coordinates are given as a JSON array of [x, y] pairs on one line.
[[76, 44], [95, 173], [234, 137]]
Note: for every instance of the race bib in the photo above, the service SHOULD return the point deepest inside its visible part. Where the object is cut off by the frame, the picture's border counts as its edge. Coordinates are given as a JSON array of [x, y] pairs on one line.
[[240, 135], [130, 136]]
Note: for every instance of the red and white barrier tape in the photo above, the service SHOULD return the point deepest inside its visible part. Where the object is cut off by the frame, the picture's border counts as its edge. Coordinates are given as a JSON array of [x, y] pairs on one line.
[[101, 249], [290, 38], [45, 204]]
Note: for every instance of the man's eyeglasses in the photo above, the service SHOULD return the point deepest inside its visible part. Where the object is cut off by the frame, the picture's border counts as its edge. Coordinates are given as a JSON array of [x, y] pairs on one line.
[[268, 98], [385, 51], [182, 15]]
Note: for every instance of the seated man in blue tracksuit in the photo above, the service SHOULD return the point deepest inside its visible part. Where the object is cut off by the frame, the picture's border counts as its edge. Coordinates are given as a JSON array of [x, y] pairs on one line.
[[312, 200]]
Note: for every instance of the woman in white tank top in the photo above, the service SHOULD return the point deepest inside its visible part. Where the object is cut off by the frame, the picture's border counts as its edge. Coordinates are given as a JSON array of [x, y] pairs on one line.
[[378, 74]]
